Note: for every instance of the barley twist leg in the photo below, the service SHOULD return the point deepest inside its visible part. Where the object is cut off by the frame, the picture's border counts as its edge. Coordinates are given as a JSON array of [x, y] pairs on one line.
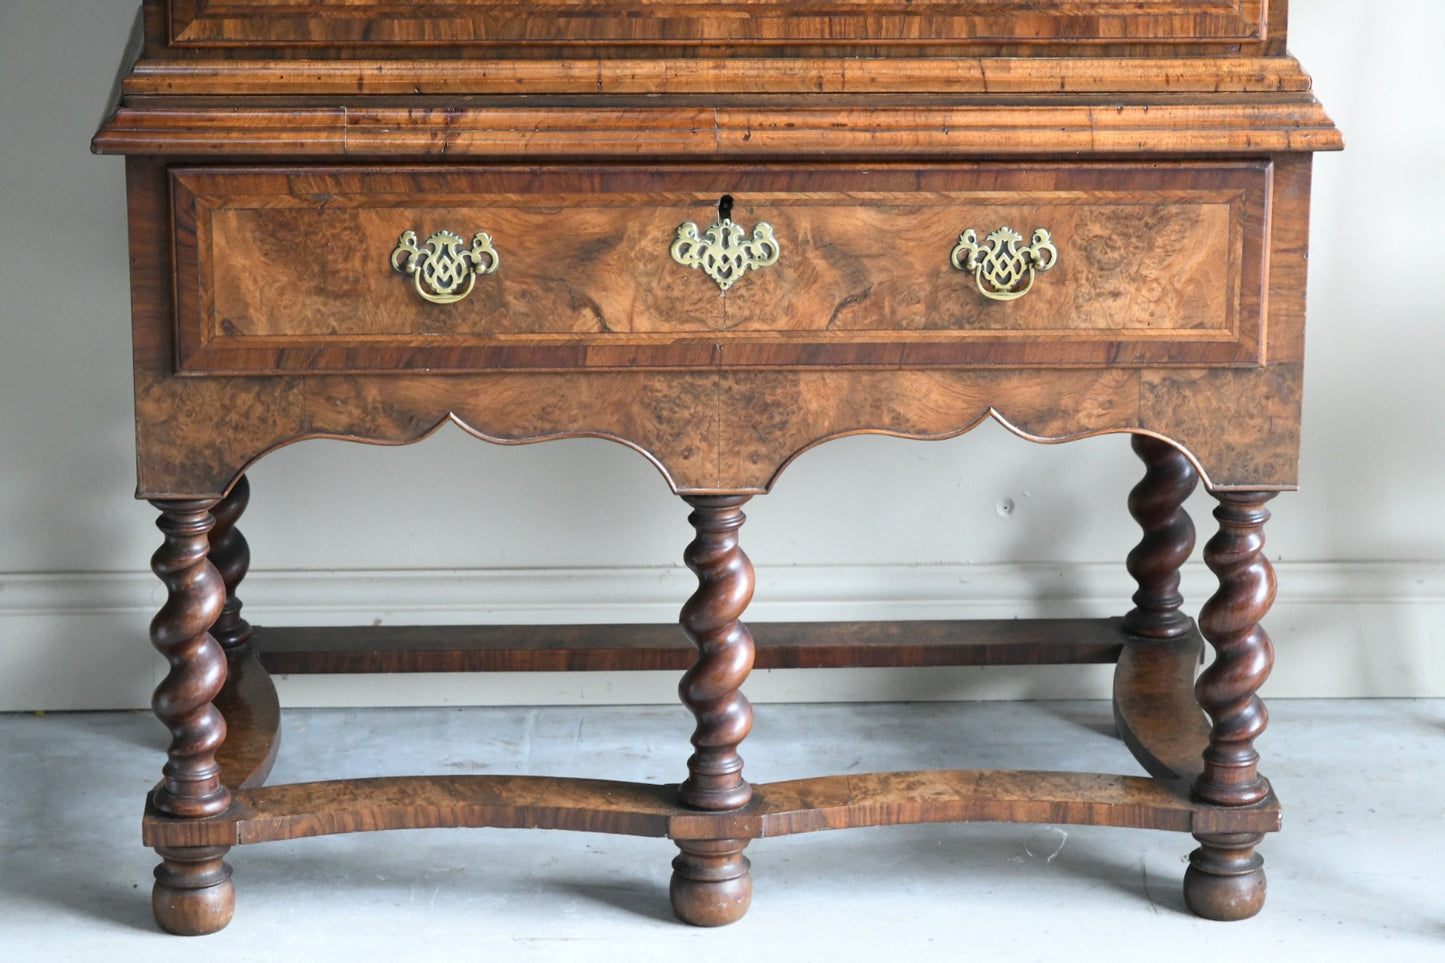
[[193, 892], [1225, 879], [710, 882]]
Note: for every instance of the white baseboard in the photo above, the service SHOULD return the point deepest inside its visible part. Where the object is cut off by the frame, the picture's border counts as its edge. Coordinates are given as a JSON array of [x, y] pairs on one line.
[[1348, 630]]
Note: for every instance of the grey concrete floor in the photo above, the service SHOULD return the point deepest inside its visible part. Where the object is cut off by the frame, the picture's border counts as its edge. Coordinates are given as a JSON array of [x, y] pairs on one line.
[[1356, 874]]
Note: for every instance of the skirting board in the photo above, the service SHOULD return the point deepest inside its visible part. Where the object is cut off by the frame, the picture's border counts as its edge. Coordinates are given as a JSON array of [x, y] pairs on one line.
[[1341, 630]]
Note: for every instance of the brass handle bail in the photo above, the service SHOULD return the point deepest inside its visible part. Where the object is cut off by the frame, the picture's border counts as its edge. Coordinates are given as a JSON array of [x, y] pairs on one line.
[[1002, 270], [443, 272]]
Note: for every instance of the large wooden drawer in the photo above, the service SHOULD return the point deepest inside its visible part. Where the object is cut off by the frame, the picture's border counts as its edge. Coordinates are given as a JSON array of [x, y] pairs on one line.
[[292, 269]]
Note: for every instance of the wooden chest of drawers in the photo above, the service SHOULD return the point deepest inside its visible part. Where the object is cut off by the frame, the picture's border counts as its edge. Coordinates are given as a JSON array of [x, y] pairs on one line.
[[719, 233]]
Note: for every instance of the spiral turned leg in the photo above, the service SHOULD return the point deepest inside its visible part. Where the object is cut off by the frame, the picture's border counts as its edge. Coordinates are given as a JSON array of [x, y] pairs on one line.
[[231, 556], [1225, 879], [710, 881], [1156, 503], [193, 892]]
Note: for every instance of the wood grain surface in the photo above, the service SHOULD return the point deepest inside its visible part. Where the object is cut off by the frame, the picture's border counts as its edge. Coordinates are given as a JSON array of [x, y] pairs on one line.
[[1154, 708], [160, 80], [382, 23], [303, 810], [640, 128], [612, 648], [253, 718], [290, 269], [717, 429]]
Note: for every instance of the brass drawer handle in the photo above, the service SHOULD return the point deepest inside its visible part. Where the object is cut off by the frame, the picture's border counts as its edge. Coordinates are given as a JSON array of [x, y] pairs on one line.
[[444, 272], [724, 252], [1001, 270]]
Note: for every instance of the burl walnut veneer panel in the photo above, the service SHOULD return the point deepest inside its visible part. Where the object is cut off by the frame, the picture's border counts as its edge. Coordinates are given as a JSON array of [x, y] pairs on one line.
[[290, 270]]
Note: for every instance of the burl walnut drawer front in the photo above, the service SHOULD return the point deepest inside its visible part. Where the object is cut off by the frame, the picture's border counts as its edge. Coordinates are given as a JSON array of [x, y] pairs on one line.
[[374, 270]]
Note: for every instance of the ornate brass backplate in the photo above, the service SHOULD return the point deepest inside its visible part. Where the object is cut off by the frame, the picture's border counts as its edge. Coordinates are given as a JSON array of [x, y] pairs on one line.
[[724, 252], [444, 272], [1001, 269]]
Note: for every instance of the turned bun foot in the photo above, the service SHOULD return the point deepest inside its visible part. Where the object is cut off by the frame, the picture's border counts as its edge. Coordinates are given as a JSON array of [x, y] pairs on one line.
[[1225, 879], [193, 894], [711, 885]]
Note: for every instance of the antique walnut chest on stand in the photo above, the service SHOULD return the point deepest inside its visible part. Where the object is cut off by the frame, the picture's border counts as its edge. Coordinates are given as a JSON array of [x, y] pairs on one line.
[[719, 233]]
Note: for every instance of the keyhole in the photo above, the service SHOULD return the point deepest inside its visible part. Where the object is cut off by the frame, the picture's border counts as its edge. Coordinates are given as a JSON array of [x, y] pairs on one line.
[[725, 208]]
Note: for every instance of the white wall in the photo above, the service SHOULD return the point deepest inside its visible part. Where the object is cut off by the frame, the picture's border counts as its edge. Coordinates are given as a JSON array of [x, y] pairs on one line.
[[454, 529]]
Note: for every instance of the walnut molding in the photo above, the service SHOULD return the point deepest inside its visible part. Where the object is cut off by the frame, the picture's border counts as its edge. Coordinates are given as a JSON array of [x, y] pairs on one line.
[[318, 25]]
